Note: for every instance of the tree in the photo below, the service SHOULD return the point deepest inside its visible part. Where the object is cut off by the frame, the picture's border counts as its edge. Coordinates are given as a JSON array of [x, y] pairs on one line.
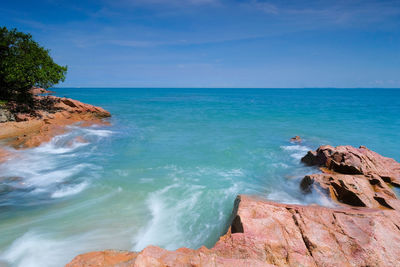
[[25, 64]]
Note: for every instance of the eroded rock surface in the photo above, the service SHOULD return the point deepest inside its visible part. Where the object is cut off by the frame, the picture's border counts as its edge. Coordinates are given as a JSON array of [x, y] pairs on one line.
[[364, 230], [351, 160]]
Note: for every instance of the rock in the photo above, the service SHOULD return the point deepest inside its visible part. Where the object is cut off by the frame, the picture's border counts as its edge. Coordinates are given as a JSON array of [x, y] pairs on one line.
[[75, 106], [364, 230], [281, 235], [6, 115], [32, 130], [354, 190], [22, 117], [351, 160], [104, 258], [39, 91], [296, 139]]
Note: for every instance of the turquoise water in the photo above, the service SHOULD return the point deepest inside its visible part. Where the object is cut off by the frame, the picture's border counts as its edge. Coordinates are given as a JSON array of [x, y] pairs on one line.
[[167, 170]]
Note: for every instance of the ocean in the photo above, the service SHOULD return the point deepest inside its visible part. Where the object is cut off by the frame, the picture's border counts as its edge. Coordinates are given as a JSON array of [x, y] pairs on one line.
[[168, 168]]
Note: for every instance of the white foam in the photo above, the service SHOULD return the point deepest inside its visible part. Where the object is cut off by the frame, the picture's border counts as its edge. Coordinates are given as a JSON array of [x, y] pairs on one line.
[[50, 164], [298, 151], [100, 133], [33, 250], [280, 165], [44, 178], [69, 190], [164, 229], [123, 173], [283, 197], [146, 180], [51, 148]]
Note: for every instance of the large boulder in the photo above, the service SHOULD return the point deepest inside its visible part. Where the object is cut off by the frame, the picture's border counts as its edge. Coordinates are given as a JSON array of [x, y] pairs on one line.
[[351, 160]]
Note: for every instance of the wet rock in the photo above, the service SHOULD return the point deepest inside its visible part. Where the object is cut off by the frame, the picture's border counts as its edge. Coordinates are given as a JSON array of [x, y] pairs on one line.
[[296, 139], [354, 190]]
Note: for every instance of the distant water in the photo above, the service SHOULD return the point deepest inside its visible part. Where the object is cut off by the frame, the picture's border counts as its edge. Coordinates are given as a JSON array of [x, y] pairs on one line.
[[167, 170]]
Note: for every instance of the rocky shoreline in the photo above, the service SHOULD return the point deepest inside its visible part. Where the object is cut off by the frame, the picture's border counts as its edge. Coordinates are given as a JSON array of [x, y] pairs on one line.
[[49, 118], [363, 230]]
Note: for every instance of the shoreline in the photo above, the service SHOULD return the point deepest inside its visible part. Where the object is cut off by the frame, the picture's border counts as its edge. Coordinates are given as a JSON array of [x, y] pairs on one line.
[[31, 131], [363, 230]]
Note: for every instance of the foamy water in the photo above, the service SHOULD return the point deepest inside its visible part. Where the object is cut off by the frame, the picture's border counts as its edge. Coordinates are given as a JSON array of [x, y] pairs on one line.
[[167, 170]]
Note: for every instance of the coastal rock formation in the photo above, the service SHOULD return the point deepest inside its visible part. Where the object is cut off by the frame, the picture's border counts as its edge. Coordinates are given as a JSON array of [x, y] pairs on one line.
[[363, 230], [271, 234], [351, 160], [354, 190], [31, 129]]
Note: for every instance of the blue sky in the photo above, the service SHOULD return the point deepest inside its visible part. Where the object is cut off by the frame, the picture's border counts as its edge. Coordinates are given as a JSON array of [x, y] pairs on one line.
[[216, 43]]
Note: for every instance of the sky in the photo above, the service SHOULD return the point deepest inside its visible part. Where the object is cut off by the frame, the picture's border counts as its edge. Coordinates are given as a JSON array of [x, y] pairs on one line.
[[216, 43]]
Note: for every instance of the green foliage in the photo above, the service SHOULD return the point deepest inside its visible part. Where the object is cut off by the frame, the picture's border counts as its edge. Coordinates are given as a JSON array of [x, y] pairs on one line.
[[25, 64]]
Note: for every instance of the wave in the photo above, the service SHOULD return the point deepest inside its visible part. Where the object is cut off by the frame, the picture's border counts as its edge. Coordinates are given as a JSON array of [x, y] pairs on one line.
[[62, 167], [174, 211], [98, 132], [296, 151], [69, 190]]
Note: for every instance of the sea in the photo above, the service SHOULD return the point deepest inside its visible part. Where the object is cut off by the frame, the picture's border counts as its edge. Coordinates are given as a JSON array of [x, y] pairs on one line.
[[168, 167]]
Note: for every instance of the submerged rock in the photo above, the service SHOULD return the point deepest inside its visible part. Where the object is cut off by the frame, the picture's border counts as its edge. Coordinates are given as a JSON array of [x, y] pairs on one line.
[[296, 139], [364, 230]]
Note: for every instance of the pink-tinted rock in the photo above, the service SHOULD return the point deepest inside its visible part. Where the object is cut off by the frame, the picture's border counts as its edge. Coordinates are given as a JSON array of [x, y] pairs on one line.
[[363, 231], [351, 160], [354, 190], [284, 235]]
